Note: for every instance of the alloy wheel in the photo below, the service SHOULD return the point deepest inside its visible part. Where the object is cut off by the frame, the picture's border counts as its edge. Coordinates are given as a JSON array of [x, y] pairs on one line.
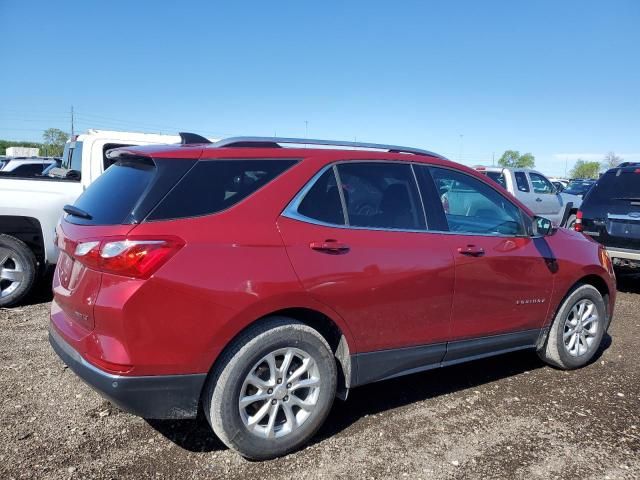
[[279, 393], [11, 272], [580, 328]]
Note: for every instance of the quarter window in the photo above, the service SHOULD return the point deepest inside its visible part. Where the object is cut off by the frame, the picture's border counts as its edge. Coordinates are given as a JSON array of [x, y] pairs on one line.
[[540, 184], [521, 181], [381, 195], [472, 207], [322, 201]]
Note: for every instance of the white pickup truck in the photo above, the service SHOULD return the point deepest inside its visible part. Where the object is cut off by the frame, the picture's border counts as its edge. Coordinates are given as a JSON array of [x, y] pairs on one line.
[[537, 192], [31, 208]]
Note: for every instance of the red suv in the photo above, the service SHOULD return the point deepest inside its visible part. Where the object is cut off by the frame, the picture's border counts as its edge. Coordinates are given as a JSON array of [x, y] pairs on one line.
[[257, 282]]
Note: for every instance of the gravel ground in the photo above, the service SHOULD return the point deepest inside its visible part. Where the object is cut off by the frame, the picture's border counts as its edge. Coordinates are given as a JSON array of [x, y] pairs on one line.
[[506, 417]]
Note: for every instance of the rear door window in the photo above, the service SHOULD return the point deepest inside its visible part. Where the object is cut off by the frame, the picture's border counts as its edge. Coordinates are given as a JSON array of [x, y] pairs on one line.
[[381, 195], [521, 181], [215, 185]]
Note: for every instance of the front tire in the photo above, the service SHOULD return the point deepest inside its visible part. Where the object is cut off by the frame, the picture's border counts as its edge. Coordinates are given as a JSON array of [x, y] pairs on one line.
[[272, 389], [571, 221], [577, 329], [18, 268]]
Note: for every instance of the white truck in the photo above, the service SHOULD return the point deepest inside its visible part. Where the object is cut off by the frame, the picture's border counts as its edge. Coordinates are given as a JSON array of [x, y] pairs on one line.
[[31, 208], [537, 192]]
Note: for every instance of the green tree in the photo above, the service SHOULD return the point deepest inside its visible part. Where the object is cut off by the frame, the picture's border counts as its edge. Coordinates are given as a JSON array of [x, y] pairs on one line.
[[611, 160], [584, 169], [513, 159], [54, 140]]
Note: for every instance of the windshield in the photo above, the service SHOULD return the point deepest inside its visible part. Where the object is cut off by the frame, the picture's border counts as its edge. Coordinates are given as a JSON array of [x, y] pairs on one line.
[[578, 188]]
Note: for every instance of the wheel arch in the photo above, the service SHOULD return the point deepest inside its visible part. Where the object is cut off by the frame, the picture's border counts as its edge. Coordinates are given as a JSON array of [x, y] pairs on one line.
[[595, 281], [26, 229], [330, 330]]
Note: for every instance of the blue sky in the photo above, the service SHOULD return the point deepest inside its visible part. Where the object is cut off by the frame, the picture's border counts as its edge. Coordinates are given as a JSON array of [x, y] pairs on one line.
[[560, 79]]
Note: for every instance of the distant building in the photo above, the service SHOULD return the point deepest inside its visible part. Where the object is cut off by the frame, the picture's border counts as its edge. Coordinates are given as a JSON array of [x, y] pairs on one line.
[[22, 152]]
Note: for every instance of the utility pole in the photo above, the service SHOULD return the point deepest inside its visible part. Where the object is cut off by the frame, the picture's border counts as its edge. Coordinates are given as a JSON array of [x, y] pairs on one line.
[[72, 130], [306, 129], [493, 159]]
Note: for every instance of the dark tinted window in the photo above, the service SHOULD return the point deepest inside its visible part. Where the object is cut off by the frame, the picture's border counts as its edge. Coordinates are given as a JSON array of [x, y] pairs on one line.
[[471, 207], [215, 185], [322, 201], [112, 197], [28, 170], [521, 181], [620, 184], [579, 187], [497, 177], [381, 195]]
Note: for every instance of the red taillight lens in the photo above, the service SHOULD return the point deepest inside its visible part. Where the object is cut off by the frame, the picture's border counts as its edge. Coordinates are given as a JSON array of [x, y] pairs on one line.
[[130, 257], [578, 225]]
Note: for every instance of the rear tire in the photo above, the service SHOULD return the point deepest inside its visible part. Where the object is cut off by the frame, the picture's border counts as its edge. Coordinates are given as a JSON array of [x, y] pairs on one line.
[[18, 269], [257, 401], [577, 329]]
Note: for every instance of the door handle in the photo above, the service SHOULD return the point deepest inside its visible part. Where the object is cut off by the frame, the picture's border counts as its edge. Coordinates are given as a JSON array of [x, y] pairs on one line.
[[331, 247], [471, 250], [538, 199]]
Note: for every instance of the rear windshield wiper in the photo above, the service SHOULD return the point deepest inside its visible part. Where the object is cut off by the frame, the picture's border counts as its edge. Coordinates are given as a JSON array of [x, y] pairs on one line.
[[629, 199], [76, 212]]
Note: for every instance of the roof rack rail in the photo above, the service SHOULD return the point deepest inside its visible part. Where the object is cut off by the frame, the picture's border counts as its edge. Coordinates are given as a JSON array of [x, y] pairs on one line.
[[274, 142], [187, 138], [628, 164]]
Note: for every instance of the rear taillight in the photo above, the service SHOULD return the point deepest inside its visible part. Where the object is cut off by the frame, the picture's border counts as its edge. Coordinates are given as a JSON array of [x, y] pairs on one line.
[[130, 256], [578, 225]]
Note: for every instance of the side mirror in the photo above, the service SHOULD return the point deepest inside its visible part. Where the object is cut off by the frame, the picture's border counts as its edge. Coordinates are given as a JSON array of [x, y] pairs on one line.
[[543, 226]]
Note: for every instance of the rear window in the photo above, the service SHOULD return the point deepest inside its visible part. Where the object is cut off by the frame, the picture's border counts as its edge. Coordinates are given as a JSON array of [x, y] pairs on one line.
[[215, 185], [620, 184], [113, 196], [497, 177]]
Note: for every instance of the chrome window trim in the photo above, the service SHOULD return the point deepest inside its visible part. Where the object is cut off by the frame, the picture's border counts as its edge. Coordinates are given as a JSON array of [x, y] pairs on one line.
[[291, 210]]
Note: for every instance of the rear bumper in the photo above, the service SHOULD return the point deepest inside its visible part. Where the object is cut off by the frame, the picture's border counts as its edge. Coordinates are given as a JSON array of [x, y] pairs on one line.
[[161, 397]]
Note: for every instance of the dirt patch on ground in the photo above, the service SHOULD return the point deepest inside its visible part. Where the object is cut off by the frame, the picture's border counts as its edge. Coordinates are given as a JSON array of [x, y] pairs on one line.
[[506, 417]]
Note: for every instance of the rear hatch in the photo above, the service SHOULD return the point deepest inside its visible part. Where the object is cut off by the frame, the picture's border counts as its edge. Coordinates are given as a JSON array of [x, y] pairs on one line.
[[611, 209], [92, 237]]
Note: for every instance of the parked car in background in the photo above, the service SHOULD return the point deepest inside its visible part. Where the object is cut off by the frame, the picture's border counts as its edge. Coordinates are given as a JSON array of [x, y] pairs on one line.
[[31, 208], [560, 183], [610, 214], [26, 167], [579, 186], [255, 282], [537, 192]]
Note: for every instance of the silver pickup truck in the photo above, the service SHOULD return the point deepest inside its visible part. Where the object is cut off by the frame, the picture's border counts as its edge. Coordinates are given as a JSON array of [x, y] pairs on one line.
[[537, 192]]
